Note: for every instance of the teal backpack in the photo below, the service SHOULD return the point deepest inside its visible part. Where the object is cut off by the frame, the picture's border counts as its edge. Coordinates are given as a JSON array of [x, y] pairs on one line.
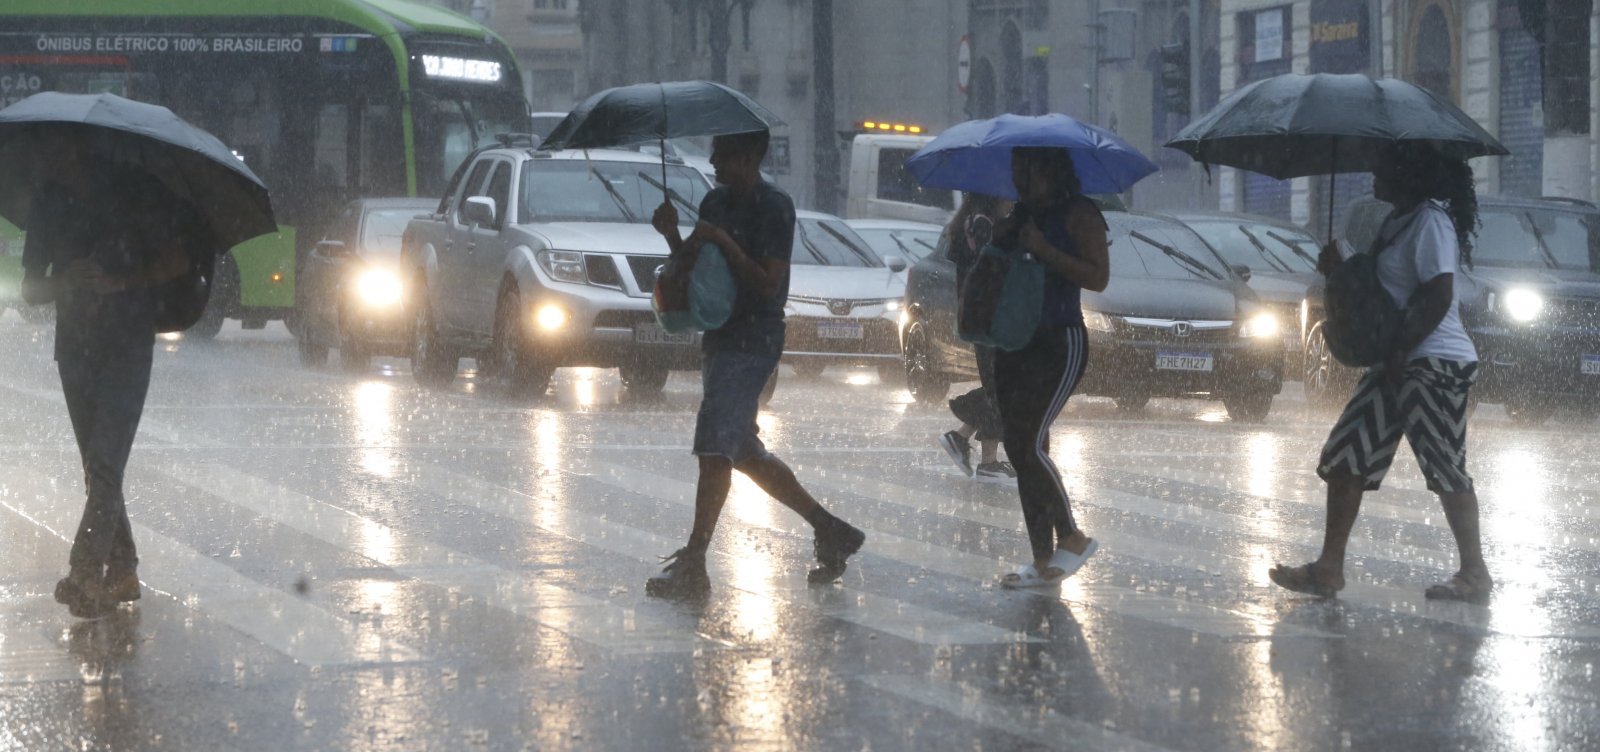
[[699, 298], [1003, 299]]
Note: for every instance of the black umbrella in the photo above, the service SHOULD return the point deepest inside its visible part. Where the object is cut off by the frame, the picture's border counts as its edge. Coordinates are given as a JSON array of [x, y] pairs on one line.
[[192, 163], [1297, 125], [640, 113]]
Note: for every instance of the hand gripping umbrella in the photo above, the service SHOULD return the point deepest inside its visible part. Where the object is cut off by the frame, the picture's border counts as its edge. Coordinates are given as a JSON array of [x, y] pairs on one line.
[[975, 156]]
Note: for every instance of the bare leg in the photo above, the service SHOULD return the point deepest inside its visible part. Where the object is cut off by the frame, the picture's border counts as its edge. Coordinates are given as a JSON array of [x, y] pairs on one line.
[[990, 451], [1344, 504], [966, 431], [773, 476], [1461, 511], [716, 478]]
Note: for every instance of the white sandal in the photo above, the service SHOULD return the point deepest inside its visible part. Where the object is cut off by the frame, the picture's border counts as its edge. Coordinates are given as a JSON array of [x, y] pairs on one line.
[[1069, 563], [1027, 577]]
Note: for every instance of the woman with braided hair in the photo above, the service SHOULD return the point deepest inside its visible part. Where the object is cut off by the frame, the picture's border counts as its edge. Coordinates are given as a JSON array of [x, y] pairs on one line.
[[1420, 391]]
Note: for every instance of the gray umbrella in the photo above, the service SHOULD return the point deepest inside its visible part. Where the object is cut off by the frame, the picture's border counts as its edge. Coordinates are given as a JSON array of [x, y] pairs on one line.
[[192, 163], [655, 112]]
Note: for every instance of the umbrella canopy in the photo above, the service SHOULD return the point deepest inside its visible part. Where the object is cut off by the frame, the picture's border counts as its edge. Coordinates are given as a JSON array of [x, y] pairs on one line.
[[191, 162], [654, 112], [1297, 125], [975, 156]]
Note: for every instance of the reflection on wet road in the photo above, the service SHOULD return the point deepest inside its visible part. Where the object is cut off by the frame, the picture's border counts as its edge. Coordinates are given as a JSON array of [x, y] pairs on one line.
[[338, 561]]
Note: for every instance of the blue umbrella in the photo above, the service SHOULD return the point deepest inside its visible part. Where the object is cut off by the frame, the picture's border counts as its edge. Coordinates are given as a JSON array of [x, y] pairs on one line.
[[975, 156]]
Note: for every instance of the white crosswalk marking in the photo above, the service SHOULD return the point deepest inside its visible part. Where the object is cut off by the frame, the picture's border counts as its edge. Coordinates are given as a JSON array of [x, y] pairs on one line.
[[277, 619]]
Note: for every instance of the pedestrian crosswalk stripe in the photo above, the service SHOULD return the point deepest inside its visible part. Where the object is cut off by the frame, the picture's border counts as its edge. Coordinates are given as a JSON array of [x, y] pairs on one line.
[[581, 617], [1187, 615], [879, 613], [1043, 726], [277, 619]]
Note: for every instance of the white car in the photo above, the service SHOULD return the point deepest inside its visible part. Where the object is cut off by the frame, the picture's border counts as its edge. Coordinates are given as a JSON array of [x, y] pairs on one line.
[[844, 300], [895, 238]]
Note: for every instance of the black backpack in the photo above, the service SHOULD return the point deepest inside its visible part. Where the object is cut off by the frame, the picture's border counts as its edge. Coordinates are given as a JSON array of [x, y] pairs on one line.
[[1362, 320], [182, 301]]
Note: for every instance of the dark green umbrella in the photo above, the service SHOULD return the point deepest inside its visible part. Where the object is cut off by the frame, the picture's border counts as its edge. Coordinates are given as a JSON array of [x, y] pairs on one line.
[[1294, 125]]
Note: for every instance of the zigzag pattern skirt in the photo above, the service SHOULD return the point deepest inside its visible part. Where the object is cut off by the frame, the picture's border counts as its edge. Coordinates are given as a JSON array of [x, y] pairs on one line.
[[1428, 407]]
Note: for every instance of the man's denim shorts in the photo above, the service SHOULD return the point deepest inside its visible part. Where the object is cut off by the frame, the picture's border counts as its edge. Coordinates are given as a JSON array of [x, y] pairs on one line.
[[726, 426]]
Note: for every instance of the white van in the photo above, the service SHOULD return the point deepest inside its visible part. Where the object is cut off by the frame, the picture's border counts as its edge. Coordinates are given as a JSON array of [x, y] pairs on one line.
[[880, 186]]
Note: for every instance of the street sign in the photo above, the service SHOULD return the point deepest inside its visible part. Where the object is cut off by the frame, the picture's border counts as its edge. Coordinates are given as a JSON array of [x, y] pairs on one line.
[[964, 63]]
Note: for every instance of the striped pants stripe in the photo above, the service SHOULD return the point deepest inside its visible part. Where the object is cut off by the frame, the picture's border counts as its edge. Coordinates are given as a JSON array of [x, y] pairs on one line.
[[1428, 407], [1031, 386]]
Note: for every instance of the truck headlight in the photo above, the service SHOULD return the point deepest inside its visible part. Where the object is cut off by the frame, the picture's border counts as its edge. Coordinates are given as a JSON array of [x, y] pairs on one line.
[[1096, 321], [550, 317], [378, 288], [1523, 305], [1261, 326], [564, 266]]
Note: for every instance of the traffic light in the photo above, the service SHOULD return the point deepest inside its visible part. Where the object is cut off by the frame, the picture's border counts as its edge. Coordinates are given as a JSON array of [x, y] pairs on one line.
[[1175, 77]]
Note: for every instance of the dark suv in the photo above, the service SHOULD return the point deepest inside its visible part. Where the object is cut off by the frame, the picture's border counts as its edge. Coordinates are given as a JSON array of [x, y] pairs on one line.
[[1175, 321], [1530, 301]]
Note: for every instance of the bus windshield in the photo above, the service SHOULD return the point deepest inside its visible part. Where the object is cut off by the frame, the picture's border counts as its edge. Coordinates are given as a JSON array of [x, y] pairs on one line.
[[451, 122]]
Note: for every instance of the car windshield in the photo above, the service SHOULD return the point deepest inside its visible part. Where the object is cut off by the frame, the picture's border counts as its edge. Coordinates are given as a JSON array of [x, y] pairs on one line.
[[911, 245], [1163, 253], [581, 190], [1261, 247], [1505, 238], [381, 233], [830, 242], [1573, 240]]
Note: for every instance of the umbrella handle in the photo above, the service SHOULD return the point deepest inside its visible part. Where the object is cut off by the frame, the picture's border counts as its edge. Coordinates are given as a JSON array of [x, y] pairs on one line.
[[1333, 162], [663, 88]]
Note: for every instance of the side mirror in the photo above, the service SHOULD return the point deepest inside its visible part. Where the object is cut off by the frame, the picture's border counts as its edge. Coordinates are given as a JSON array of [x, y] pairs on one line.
[[896, 264], [331, 247], [479, 210], [1243, 271]]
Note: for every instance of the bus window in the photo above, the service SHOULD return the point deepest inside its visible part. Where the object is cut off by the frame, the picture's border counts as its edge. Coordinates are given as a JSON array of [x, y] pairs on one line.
[[451, 123], [896, 183]]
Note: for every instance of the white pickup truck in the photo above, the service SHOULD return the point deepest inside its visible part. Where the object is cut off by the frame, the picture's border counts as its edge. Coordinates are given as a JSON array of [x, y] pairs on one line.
[[536, 260]]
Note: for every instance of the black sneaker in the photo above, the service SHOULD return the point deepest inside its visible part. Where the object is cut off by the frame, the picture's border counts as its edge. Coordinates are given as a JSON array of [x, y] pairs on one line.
[[84, 596], [684, 577], [959, 449], [997, 471], [833, 547]]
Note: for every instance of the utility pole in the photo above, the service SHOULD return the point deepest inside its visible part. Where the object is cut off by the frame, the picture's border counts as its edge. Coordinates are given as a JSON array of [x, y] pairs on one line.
[[823, 145]]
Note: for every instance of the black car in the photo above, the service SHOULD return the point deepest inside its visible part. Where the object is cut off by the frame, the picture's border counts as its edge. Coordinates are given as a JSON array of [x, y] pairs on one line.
[[1530, 301], [1277, 259], [350, 288], [1175, 321]]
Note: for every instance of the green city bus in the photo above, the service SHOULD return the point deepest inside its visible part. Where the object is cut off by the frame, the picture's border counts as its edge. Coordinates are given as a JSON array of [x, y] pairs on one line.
[[326, 100]]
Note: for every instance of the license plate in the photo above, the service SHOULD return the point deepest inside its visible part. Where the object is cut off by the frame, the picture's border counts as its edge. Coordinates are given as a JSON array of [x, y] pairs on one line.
[[841, 330], [1591, 365], [1183, 361], [653, 334]]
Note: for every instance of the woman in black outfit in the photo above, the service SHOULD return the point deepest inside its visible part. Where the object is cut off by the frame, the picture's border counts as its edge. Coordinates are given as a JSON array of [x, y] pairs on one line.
[[1064, 230], [969, 231]]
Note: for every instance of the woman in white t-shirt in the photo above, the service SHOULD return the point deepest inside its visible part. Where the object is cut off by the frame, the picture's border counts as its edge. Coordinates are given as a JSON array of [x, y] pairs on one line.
[[1420, 392]]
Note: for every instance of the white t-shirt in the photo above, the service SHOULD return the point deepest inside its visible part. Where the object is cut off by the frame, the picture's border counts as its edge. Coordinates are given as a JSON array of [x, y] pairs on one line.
[[1424, 246]]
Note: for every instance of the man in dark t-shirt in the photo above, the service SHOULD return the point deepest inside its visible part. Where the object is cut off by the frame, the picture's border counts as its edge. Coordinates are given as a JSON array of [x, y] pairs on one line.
[[752, 221]]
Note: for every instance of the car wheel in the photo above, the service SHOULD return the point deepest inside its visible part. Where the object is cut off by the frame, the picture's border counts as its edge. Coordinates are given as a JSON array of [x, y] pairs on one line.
[[808, 369], [1529, 410], [1132, 402], [1322, 376], [312, 352], [37, 314], [515, 364], [224, 297], [644, 381], [926, 385], [1248, 408], [432, 365]]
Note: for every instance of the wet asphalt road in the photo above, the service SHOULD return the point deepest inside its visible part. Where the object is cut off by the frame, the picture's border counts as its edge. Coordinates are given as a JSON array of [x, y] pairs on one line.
[[349, 561]]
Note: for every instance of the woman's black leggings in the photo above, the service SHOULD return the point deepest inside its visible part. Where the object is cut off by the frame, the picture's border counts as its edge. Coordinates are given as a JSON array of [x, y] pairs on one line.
[[1031, 386]]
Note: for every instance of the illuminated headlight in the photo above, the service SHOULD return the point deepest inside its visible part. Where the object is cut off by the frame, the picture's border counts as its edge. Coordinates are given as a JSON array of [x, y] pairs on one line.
[[563, 266], [1523, 305], [1096, 321], [1260, 326], [378, 288], [891, 305], [550, 317]]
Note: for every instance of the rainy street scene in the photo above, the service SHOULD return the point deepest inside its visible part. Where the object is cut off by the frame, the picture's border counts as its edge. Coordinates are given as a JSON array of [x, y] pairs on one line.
[[799, 375]]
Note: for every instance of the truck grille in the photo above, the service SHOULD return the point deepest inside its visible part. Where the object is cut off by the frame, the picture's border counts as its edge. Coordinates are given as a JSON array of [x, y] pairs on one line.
[[602, 270], [644, 270]]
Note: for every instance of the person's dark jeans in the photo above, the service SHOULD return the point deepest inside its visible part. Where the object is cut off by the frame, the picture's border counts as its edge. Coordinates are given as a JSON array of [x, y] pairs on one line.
[[105, 393], [1031, 386]]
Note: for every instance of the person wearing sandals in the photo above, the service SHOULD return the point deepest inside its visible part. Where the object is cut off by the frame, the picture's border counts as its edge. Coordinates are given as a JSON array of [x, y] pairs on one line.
[[969, 231], [752, 221], [1064, 230], [1420, 392]]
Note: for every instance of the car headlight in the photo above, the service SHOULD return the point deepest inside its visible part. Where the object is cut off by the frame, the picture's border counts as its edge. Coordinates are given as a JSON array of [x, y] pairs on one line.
[[891, 305], [550, 317], [1523, 305], [378, 288], [564, 266], [1261, 325], [1096, 321]]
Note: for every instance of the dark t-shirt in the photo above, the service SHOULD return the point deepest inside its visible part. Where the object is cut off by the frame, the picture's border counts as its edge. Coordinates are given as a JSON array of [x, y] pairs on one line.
[[763, 226], [109, 224]]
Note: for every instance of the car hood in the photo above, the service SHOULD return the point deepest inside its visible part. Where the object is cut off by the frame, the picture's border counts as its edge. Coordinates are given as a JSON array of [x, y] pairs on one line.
[[852, 283], [601, 237], [1282, 287], [1563, 283], [1166, 299]]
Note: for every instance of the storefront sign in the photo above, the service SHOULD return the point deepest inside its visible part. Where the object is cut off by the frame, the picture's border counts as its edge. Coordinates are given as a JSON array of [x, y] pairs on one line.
[[1339, 36], [1269, 35]]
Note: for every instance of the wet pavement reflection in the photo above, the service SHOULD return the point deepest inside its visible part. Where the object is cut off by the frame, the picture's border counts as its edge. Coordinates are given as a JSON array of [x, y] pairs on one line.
[[350, 561]]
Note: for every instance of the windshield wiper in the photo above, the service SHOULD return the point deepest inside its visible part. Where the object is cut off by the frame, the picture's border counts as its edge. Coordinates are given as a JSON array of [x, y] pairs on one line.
[[622, 203], [1261, 248], [871, 261], [672, 195], [1177, 255], [1293, 246], [1544, 247]]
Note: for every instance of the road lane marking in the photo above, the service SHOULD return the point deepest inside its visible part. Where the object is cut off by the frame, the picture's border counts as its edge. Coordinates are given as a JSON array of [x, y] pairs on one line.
[[587, 619], [290, 625]]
